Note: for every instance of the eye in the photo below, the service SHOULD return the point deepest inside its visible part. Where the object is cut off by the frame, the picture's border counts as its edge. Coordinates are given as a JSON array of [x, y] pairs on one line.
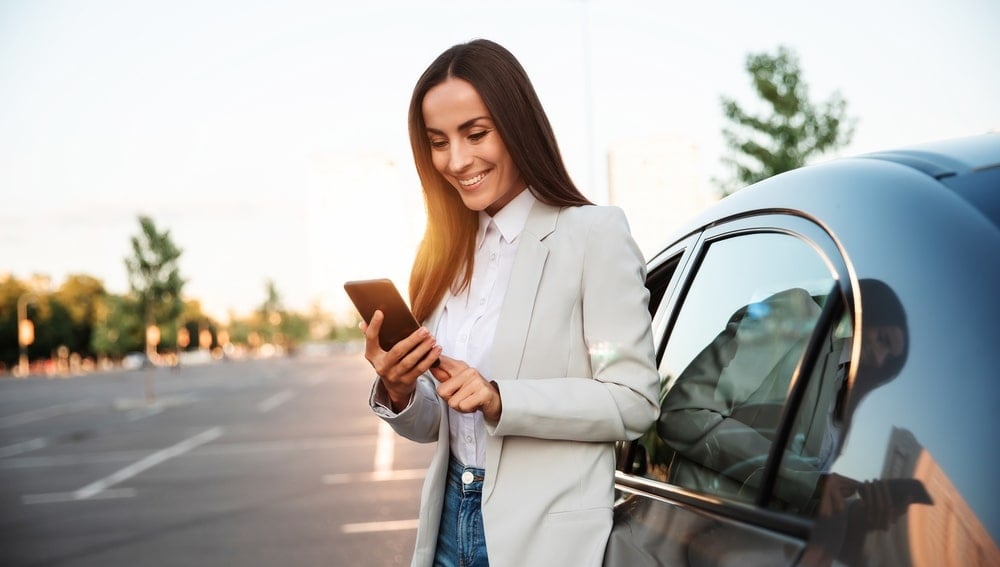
[[438, 144], [477, 136]]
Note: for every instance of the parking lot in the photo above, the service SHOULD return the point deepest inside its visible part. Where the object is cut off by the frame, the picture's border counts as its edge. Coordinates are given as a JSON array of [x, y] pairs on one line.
[[256, 462]]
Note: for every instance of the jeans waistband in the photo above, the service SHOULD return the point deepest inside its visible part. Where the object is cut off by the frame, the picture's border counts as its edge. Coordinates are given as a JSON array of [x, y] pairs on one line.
[[469, 479]]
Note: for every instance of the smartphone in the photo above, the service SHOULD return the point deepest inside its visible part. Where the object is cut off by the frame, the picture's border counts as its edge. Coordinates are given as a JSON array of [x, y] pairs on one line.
[[381, 294]]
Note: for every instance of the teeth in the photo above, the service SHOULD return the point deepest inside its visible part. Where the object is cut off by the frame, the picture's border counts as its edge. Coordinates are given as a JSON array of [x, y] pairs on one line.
[[473, 180]]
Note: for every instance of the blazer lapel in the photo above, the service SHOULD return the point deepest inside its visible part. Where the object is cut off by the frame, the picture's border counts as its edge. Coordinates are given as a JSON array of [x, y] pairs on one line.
[[519, 302], [515, 315]]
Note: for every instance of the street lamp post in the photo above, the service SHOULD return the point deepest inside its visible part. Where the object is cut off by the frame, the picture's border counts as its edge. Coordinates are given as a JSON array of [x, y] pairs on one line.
[[25, 331]]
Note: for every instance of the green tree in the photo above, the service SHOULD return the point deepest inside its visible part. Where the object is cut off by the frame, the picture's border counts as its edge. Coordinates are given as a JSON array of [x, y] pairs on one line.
[[118, 328], [10, 290], [81, 295], [272, 314], [792, 130], [154, 276], [54, 328]]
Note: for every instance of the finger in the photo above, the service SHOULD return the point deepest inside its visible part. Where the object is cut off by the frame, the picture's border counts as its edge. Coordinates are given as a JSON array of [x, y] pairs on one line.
[[451, 367], [451, 389], [464, 392], [417, 358], [476, 396], [440, 374], [447, 388], [412, 341]]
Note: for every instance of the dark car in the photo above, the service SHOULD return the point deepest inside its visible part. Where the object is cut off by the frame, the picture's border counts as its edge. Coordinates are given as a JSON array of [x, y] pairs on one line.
[[828, 343]]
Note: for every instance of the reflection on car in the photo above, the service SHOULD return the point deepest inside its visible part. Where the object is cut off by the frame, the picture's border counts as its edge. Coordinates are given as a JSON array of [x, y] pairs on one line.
[[828, 393]]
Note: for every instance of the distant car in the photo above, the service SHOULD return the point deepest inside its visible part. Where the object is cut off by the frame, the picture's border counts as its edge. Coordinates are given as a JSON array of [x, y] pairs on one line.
[[135, 361], [828, 343]]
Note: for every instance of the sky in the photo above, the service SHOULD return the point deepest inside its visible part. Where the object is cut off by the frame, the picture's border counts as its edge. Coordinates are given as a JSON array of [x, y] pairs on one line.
[[270, 138]]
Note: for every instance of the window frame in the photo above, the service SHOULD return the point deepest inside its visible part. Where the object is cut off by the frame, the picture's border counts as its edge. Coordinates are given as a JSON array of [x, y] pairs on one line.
[[689, 253]]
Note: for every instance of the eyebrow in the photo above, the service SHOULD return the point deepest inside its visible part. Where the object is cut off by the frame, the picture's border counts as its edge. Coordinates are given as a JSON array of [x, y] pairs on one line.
[[463, 126]]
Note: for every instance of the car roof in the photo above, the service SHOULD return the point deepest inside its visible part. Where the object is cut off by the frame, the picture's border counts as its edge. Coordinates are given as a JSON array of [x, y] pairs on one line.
[[969, 167], [946, 158]]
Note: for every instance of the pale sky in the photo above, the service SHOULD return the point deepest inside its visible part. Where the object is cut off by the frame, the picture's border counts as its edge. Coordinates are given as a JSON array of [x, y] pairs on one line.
[[270, 137]]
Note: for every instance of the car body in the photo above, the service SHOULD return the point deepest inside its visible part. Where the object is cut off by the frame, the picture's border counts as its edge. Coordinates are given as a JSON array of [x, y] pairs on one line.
[[825, 340], [135, 361]]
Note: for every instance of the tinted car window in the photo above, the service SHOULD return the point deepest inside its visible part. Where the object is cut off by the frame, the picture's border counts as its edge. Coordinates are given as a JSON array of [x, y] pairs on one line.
[[745, 322]]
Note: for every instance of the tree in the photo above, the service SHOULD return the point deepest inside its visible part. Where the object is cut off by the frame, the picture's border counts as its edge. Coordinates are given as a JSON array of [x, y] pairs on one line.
[[154, 276], [10, 290], [271, 314], [119, 328], [791, 132], [81, 296]]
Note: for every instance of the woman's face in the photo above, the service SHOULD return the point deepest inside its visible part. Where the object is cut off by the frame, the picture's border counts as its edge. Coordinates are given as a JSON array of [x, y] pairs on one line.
[[466, 147]]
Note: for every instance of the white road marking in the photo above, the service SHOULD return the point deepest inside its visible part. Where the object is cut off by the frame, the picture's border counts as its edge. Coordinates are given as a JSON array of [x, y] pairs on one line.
[[149, 462], [385, 448], [23, 447], [275, 401], [376, 476], [213, 450], [369, 527]]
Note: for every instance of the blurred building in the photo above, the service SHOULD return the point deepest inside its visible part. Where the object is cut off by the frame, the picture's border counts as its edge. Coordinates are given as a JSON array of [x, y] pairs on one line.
[[659, 183]]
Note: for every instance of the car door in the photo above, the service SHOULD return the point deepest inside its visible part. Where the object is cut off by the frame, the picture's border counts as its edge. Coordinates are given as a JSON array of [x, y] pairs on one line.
[[743, 311]]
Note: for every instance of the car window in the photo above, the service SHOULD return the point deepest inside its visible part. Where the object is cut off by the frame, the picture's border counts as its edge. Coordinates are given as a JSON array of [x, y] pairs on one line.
[[741, 329]]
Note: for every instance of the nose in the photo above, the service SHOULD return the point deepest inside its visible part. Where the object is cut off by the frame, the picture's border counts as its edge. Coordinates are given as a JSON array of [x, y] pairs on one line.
[[459, 158]]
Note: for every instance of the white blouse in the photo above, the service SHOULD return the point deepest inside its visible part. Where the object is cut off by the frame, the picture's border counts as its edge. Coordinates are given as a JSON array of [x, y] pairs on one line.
[[469, 321]]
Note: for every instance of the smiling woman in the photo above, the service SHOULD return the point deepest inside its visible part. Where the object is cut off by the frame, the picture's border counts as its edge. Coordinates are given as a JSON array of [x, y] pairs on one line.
[[533, 300]]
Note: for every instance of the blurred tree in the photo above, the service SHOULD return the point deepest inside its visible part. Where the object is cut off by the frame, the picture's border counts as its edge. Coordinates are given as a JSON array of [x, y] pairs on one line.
[[10, 290], [154, 277], [54, 328], [195, 321], [118, 328], [271, 314], [295, 328], [81, 295], [239, 329], [793, 130]]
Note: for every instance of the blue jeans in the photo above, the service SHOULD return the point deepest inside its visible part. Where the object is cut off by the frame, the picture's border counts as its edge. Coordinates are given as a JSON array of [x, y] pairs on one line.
[[461, 542]]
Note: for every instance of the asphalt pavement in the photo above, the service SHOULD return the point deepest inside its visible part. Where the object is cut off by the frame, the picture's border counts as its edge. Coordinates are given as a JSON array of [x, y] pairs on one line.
[[268, 462]]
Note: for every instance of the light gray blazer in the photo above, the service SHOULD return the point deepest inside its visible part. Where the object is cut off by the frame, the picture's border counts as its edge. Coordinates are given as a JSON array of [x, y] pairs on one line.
[[573, 358]]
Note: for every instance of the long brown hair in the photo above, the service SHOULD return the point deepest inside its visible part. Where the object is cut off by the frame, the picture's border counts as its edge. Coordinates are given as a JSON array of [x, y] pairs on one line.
[[449, 238]]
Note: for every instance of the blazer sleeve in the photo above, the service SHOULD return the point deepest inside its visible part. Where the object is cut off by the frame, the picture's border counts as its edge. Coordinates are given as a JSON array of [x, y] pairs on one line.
[[620, 400], [419, 421]]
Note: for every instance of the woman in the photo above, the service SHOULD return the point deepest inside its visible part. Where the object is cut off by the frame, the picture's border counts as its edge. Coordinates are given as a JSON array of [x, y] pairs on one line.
[[533, 300]]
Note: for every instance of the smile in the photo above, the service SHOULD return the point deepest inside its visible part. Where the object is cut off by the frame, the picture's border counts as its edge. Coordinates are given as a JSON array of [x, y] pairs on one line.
[[473, 180]]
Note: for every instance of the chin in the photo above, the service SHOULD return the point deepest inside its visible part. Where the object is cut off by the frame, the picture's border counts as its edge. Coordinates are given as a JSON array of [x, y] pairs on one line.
[[475, 204]]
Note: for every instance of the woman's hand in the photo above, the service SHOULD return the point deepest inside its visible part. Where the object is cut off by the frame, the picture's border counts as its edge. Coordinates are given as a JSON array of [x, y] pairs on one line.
[[465, 389], [399, 367]]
